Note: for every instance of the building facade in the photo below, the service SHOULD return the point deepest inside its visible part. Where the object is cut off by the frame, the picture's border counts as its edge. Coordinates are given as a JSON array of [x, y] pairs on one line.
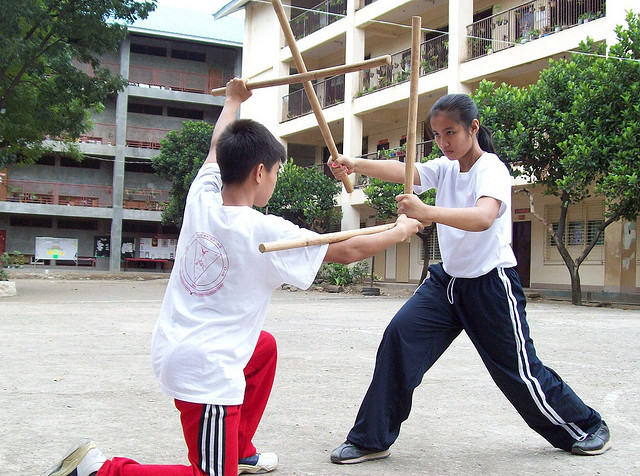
[[463, 42], [111, 202]]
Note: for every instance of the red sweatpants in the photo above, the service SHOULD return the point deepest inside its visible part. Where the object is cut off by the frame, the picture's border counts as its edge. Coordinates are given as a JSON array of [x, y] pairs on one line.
[[216, 435]]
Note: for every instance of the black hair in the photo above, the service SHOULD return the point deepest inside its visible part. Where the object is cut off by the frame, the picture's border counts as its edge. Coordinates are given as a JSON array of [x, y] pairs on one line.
[[244, 144], [462, 109]]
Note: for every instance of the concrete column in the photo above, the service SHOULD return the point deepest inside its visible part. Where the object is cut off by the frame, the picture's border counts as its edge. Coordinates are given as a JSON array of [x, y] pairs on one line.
[[620, 257], [616, 13], [352, 133], [460, 15], [118, 164]]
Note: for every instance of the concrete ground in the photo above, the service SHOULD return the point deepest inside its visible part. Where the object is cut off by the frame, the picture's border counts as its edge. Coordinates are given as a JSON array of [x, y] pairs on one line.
[[74, 362]]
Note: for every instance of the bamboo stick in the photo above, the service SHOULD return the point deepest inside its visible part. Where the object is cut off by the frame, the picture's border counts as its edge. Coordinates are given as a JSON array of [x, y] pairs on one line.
[[410, 157], [308, 87], [322, 239], [310, 75]]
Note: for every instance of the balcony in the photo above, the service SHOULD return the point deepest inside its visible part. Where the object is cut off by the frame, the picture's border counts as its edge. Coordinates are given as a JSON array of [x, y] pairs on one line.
[[317, 17], [145, 137], [145, 199], [527, 22], [329, 92], [52, 193], [434, 55], [175, 80], [100, 134]]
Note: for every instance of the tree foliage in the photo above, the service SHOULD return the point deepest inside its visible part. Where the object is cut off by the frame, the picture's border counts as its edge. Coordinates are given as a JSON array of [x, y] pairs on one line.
[[576, 134], [182, 153], [306, 197], [42, 92]]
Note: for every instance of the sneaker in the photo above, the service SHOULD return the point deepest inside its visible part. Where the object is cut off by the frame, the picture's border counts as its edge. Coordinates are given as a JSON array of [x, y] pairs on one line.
[[258, 463], [348, 453], [594, 444], [83, 459]]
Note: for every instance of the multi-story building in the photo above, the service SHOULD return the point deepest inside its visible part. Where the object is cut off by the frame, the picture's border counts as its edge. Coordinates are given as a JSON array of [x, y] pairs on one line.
[[110, 204], [463, 42]]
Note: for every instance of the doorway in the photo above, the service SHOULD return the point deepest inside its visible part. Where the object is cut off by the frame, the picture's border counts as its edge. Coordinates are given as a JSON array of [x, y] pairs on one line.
[[521, 241]]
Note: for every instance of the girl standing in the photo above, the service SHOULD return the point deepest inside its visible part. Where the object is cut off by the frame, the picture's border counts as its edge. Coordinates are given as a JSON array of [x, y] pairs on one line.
[[475, 289]]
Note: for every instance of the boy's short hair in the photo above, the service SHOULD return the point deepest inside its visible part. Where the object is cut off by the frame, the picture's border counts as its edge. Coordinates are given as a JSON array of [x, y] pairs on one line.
[[244, 144]]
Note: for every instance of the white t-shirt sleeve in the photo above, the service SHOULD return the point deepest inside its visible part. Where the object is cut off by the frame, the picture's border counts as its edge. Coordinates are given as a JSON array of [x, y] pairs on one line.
[[494, 181], [296, 266]]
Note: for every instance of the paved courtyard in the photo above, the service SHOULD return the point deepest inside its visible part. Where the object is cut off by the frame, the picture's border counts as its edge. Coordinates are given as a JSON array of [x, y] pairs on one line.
[[74, 362]]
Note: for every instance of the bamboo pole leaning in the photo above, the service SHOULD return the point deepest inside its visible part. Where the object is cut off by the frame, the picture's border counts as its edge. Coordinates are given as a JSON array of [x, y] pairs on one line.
[[410, 157], [311, 75], [308, 87]]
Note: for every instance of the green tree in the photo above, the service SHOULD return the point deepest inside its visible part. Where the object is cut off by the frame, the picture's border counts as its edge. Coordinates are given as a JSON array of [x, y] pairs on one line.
[[381, 195], [42, 92], [576, 134], [306, 197], [182, 153]]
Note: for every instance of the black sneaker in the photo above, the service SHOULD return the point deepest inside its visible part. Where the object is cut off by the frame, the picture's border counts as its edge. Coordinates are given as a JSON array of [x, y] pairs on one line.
[[348, 453], [594, 444]]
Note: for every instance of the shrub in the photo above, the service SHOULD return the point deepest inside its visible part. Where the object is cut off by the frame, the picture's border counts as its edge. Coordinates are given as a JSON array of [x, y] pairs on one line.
[[343, 275]]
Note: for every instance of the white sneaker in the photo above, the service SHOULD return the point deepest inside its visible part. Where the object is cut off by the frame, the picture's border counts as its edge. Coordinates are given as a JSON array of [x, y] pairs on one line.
[[83, 459], [264, 463]]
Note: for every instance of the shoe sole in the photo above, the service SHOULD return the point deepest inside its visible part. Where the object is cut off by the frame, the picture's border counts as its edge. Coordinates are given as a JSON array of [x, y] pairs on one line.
[[579, 452], [71, 459], [251, 469], [362, 459]]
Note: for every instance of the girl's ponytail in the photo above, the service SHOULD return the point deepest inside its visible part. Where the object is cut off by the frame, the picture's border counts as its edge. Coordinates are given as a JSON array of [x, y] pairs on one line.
[[484, 140]]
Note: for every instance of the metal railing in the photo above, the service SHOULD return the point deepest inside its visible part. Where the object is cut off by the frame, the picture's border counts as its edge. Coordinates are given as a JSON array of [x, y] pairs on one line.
[[52, 193], [434, 56], [101, 133], [145, 137], [145, 199], [329, 92], [317, 17], [174, 80], [527, 22]]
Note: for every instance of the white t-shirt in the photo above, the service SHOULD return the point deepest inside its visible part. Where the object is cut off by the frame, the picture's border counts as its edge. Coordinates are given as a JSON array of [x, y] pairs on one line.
[[467, 254], [217, 296]]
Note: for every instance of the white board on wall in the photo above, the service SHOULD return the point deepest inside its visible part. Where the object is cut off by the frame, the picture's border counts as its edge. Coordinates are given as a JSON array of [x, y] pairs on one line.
[[158, 248], [56, 248]]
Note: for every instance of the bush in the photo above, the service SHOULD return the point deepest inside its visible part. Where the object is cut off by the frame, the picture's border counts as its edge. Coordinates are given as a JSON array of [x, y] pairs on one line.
[[3, 275], [343, 275], [12, 259]]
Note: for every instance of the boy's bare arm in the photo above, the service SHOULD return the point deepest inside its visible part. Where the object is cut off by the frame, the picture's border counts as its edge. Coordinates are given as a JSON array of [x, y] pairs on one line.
[[361, 247], [236, 94]]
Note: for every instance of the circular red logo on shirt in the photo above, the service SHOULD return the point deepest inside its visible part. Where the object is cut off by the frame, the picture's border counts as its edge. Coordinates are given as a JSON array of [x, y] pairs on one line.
[[204, 265]]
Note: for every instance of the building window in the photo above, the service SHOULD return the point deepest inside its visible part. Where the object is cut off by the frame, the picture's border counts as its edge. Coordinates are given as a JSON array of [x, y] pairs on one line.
[[186, 113], [75, 224], [148, 50], [189, 55], [31, 221], [144, 109], [583, 222], [434, 248], [83, 164]]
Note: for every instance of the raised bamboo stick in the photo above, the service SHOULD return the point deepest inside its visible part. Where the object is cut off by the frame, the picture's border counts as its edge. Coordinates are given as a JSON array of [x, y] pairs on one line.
[[308, 87], [322, 239], [410, 156], [310, 75]]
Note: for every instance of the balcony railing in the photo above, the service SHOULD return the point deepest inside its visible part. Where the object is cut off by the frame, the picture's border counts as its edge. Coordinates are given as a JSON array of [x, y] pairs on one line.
[[145, 199], [317, 17], [52, 193], [100, 134], [434, 55], [176, 80], [329, 92], [529, 21], [145, 137]]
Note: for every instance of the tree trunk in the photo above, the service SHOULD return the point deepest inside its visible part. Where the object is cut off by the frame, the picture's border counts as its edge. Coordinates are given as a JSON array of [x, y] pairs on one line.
[[425, 236]]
